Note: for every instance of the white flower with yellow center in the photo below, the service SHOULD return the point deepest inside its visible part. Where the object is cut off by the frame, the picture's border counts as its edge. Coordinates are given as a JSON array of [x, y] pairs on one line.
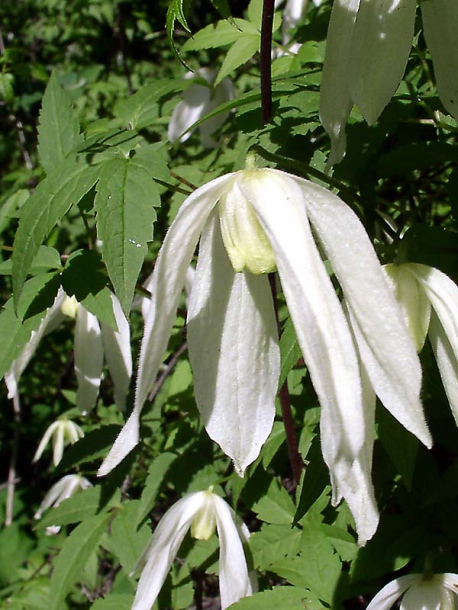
[[429, 300], [250, 223], [62, 490], [367, 49], [439, 592], [200, 512]]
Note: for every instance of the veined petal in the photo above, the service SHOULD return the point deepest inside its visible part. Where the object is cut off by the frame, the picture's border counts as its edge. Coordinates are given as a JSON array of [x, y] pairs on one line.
[[386, 597], [320, 323], [443, 330], [166, 286], [45, 440], [88, 349], [383, 340], [234, 352], [234, 580], [440, 22], [164, 546], [118, 353], [335, 97], [381, 44]]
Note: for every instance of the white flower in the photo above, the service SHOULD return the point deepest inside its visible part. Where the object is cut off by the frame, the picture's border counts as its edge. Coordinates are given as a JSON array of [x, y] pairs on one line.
[[199, 100], [429, 300], [248, 222], [60, 491], [200, 512], [420, 593], [367, 49], [58, 430]]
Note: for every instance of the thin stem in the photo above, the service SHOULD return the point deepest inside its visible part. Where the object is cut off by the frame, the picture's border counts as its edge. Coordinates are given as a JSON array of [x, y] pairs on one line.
[[265, 63], [294, 456], [12, 479]]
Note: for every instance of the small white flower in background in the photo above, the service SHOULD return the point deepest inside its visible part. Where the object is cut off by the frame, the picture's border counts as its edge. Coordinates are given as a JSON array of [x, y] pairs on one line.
[[439, 592], [250, 223], [367, 49], [60, 491], [200, 512], [199, 100], [429, 300], [59, 431], [93, 340], [293, 12]]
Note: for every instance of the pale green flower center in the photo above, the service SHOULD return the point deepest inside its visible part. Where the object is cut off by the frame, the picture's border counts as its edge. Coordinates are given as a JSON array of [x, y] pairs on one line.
[[69, 306], [204, 523], [245, 241]]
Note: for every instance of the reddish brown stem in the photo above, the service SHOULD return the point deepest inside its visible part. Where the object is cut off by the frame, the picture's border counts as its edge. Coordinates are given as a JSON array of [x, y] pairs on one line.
[[265, 63]]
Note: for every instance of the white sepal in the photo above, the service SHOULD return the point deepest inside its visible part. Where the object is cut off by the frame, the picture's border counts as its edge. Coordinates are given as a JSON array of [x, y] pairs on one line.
[[88, 350]]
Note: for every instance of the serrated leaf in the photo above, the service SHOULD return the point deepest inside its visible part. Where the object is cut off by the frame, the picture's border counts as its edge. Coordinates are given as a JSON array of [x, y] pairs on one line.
[[286, 598], [92, 446], [289, 350], [142, 109], [125, 202], [275, 506], [125, 541], [156, 473], [58, 130], [46, 258], [240, 52], [314, 480], [75, 551], [273, 543], [53, 197], [78, 507], [219, 35], [10, 205], [176, 12]]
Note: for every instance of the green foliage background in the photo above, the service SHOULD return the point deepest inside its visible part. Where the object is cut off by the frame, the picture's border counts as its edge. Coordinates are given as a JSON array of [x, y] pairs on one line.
[[86, 94]]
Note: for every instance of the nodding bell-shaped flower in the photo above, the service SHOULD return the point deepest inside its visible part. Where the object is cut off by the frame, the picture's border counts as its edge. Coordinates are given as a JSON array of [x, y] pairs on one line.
[[438, 592], [429, 300], [200, 512], [250, 223], [367, 49], [59, 431], [60, 491], [198, 100], [93, 341]]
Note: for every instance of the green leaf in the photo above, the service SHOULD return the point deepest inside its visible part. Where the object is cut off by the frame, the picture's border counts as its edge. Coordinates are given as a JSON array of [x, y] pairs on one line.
[[219, 35], [59, 130], [240, 52], [154, 480], [289, 350], [125, 541], [125, 202], [79, 507], [142, 109], [53, 197], [114, 601], [273, 543], [286, 598], [275, 506], [222, 6], [46, 258], [400, 445], [75, 552], [93, 445], [314, 480]]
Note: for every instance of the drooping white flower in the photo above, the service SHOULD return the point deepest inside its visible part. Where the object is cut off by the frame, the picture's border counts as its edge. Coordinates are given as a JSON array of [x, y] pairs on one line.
[[367, 49], [429, 300], [249, 222], [59, 431], [200, 512], [199, 100], [60, 491], [439, 592], [293, 12]]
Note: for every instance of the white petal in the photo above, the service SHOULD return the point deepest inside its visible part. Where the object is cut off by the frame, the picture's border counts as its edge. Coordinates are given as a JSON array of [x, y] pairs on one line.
[[51, 320], [320, 324], [188, 111], [45, 440], [58, 443], [381, 44], [118, 353], [167, 283], [60, 491], [443, 331], [88, 359], [423, 595], [383, 339], [335, 97], [73, 431], [234, 580], [222, 93], [386, 597], [234, 352], [450, 581], [164, 546], [440, 22]]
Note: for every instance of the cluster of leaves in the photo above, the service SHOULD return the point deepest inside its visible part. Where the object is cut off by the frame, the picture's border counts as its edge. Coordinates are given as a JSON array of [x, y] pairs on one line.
[[88, 178]]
